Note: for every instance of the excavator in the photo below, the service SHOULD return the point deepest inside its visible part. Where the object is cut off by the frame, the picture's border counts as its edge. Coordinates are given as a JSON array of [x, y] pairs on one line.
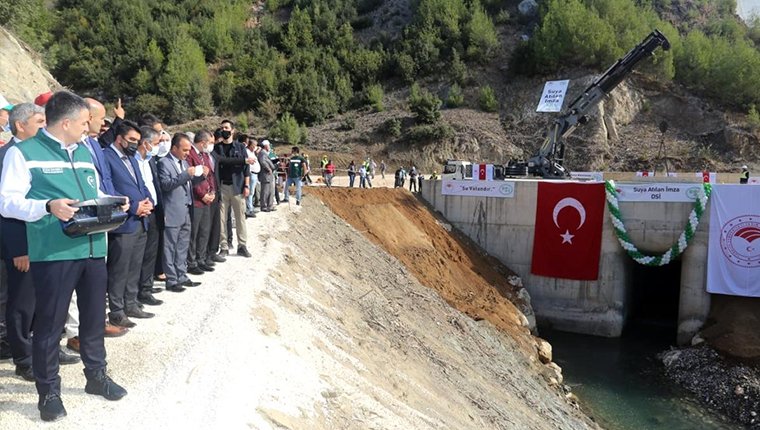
[[548, 162]]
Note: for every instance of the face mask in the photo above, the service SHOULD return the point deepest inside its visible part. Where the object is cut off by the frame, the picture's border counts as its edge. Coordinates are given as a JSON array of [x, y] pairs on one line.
[[153, 151], [208, 149], [163, 148], [131, 149], [226, 134]]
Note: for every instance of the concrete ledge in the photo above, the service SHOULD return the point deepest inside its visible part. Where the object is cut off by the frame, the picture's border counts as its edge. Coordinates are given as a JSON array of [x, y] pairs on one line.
[[605, 324]]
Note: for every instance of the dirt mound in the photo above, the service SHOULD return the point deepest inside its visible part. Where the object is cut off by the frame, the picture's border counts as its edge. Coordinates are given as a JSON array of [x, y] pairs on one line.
[[472, 282], [731, 327]]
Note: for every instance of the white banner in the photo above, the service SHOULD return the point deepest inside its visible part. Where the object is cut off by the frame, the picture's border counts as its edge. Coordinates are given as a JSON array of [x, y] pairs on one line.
[[478, 188], [553, 96], [658, 192], [587, 176], [733, 257]]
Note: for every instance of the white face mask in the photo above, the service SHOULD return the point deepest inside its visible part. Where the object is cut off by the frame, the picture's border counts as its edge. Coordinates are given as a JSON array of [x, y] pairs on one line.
[[163, 148], [209, 148], [153, 151]]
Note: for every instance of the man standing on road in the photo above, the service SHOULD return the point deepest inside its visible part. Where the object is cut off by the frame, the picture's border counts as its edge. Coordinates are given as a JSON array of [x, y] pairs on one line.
[[266, 178], [233, 164], [204, 193], [39, 179], [296, 171], [175, 177], [744, 176]]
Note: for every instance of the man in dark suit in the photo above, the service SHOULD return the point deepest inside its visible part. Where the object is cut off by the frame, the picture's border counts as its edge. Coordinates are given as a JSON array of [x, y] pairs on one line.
[[126, 245], [146, 161], [176, 180], [235, 175]]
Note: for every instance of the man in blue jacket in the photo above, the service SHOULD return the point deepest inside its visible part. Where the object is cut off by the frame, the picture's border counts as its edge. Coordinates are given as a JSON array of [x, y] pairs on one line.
[[126, 245]]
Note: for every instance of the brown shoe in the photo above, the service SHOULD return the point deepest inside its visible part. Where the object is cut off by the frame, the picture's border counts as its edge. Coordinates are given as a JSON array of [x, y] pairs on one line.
[[115, 331], [73, 343]]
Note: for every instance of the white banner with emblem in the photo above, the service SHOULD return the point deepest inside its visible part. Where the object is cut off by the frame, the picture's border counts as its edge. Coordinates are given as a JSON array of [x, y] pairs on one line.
[[658, 192], [478, 188]]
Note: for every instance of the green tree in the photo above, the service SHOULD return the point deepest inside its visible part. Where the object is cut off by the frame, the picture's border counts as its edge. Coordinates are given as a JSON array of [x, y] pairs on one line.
[[185, 81], [487, 99], [455, 97], [374, 97], [425, 105], [482, 40], [288, 129]]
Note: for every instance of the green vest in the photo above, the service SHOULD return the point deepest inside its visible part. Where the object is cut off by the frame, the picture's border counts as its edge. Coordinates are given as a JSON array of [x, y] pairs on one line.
[[55, 176], [295, 167]]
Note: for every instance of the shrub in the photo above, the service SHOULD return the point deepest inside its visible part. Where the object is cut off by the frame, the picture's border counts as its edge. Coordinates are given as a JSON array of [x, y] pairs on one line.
[[391, 127], [148, 103], [425, 105], [481, 35], [373, 96], [455, 97], [288, 129], [487, 99], [426, 133], [347, 124], [753, 118]]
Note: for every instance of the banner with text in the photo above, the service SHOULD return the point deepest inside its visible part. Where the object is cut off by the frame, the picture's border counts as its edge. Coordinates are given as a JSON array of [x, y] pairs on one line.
[[658, 192], [553, 96], [478, 188]]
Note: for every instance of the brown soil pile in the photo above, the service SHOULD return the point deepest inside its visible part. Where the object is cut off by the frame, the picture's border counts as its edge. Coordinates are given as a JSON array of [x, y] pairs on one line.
[[732, 327], [468, 280]]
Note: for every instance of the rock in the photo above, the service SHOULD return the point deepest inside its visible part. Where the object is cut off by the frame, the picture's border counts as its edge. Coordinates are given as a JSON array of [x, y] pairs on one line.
[[552, 373], [516, 281], [739, 390], [528, 8], [544, 349], [670, 357], [696, 340]]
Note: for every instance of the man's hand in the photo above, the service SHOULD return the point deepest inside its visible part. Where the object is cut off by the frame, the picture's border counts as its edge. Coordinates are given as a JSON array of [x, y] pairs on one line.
[[250, 160], [21, 263], [144, 208], [206, 170], [118, 111], [191, 170], [246, 191], [125, 206], [208, 198], [62, 209]]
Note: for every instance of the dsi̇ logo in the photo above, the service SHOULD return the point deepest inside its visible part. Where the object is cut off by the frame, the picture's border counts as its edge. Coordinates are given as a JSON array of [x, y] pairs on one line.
[[740, 241], [693, 193], [91, 181], [506, 189]]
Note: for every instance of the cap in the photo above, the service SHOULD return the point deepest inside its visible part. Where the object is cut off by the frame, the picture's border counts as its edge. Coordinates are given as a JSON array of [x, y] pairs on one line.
[[4, 103], [43, 98], [744, 167], [265, 143]]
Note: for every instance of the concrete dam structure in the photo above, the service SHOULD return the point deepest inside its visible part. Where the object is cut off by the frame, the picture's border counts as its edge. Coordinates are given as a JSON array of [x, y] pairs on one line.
[[504, 227]]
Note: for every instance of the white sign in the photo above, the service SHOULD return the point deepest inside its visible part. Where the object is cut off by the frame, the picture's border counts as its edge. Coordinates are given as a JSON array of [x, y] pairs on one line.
[[587, 176], [478, 188], [658, 192], [553, 96]]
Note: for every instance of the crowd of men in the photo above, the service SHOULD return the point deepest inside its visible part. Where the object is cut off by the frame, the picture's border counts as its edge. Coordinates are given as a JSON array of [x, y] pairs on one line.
[[182, 193]]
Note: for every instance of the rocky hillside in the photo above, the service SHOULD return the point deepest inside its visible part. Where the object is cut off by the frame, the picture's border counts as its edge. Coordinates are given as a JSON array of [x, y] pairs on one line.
[[23, 76]]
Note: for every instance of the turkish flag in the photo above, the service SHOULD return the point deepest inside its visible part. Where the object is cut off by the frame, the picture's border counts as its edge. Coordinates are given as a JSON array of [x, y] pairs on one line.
[[482, 172], [568, 235]]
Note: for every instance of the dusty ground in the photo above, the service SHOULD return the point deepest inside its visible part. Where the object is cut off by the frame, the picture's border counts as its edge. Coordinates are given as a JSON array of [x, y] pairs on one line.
[[321, 330]]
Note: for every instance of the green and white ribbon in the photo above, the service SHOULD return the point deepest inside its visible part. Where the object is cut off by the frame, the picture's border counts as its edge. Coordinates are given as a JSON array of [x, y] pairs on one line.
[[683, 240]]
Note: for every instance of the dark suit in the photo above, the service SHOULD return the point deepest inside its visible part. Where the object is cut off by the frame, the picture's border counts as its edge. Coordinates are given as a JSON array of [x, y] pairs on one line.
[[103, 168], [126, 244], [18, 286], [177, 200], [152, 264]]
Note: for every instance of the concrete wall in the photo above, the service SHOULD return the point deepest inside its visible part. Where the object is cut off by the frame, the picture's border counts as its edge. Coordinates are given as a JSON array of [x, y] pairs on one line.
[[504, 228]]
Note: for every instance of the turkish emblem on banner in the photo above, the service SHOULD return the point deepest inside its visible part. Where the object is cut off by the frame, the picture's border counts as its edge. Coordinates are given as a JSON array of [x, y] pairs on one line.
[[568, 234]]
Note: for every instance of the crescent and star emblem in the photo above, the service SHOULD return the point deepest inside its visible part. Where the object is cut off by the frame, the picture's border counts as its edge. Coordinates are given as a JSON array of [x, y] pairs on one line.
[[572, 203]]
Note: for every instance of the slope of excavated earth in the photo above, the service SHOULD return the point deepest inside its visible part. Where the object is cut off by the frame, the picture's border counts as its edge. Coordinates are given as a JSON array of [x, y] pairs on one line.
[[321, 330]]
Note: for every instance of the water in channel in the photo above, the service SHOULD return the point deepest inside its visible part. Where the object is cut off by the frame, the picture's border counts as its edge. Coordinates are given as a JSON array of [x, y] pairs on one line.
[[620, 382]]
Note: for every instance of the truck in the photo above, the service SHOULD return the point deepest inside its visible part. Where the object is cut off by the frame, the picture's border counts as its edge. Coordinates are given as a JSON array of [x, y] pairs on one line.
[[548, 162], [457, 169]]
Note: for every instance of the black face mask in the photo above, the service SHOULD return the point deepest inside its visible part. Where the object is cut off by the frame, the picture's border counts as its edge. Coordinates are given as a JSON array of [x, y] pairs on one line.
[[131, 149], [226, 134]]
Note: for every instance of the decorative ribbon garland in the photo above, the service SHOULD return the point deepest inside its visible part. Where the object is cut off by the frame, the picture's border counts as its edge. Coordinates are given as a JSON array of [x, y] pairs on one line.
[[683, 240]]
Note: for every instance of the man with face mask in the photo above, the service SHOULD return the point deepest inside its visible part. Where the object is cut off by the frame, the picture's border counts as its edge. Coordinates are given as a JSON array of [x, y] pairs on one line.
[[204, 194], [146, 160], [126, 244], [234, 173]]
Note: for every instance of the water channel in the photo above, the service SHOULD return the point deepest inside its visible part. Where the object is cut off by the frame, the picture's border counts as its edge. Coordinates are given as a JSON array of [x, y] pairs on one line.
[[621, 384]]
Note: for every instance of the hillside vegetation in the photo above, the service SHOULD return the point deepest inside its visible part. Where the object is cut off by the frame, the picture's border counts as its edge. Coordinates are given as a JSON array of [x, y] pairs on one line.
[[290, 63]]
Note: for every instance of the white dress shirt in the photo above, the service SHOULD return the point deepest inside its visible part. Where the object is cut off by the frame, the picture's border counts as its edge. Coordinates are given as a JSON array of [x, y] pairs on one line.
[[16, 182], [147, 175]]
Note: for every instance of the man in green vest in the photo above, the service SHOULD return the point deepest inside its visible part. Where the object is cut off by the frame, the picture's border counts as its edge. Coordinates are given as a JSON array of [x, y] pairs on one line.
[[42, 177], [296, 169]]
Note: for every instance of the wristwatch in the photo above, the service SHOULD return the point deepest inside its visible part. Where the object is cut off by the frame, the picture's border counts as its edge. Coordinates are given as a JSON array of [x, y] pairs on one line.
[[47, 206]]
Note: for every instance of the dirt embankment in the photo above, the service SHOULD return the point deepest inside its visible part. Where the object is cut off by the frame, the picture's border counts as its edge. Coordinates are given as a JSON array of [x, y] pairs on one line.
[[467, 279], [23, 76]]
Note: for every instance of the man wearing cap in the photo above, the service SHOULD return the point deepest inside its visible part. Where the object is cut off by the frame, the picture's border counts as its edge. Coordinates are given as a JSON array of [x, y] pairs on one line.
[[41, 178], [744, 175]]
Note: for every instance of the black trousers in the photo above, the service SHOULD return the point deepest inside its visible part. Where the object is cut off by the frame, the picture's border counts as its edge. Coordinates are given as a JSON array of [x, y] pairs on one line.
[[215, 234], [3, 301], [125, 256], [150, 256], [20, 314], [199, 236], [54, 282]]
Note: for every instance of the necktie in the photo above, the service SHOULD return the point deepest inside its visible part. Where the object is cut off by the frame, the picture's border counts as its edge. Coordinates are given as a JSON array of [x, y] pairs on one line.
[[129, 167]]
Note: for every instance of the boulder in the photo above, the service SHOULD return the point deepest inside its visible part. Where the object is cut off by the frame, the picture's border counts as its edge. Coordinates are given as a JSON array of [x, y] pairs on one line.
[[528, 8]]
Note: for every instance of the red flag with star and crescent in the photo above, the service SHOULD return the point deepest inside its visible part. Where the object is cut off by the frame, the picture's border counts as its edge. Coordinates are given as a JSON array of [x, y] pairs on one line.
[[568, 234]]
